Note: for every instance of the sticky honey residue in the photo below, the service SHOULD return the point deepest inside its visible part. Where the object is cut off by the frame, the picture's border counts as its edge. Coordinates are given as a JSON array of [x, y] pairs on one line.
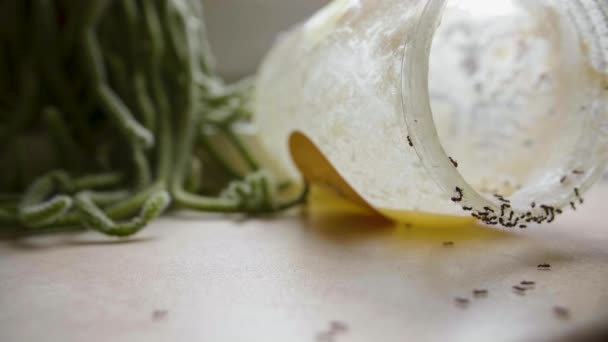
[[336, 192]]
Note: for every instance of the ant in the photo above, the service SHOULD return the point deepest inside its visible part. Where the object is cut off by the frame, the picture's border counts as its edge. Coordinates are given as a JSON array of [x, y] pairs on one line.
[[527, 283], [479, 293], [502, 209], [462, 302], [519, 289], [578, 195], [561, 312], [159, 314], [455, 163], [338, 326], [501, 198], [459, 196]]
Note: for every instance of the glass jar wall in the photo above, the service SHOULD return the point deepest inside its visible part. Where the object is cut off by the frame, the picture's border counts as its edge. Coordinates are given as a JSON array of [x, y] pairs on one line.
[[447, 107]]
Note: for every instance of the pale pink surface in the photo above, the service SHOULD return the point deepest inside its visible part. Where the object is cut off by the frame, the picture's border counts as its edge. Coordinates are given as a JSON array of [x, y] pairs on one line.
[[285, 279]]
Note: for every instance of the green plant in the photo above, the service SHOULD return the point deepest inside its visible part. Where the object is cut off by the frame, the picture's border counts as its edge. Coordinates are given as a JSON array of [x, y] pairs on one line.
[[125, 94]]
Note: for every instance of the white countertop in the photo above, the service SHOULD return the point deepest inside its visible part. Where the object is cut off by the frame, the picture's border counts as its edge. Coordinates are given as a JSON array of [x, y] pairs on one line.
[[287, 278]]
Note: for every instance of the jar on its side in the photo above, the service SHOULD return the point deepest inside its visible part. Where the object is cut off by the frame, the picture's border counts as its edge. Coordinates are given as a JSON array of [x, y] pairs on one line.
[[447, 107]]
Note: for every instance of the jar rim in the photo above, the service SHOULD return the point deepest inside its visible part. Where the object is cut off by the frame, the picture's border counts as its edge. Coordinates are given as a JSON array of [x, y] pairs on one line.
[[416, 102], [422, 132]]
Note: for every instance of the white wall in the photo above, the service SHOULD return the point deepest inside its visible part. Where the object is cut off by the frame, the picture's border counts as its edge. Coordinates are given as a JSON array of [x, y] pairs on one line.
[[241, 31]]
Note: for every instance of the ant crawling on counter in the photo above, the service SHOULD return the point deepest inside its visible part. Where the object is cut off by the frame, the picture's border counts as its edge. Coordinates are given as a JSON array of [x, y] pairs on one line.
[[519, 290], [561, 312], [455, 163], [578, 172], [158, 315], [563, 179], [544, 267], [337, 326], [527, 283], [461, 302], [572, 205], [409, 141], [459, 195], [480, 293], [467, 208]]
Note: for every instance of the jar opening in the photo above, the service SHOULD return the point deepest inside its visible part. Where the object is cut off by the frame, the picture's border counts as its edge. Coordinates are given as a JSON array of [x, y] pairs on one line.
[[502, 101]]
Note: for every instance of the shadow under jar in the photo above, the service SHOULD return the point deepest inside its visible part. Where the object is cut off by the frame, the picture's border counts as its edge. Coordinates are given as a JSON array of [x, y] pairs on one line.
[[495, 109]]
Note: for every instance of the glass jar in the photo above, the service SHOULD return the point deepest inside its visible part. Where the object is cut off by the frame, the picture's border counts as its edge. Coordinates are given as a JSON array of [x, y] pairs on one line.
[[494, 109]]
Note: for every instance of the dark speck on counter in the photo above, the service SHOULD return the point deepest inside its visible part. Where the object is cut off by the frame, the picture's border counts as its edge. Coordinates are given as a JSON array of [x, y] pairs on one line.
[[561, 312], [338, 326], [158, 315]]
